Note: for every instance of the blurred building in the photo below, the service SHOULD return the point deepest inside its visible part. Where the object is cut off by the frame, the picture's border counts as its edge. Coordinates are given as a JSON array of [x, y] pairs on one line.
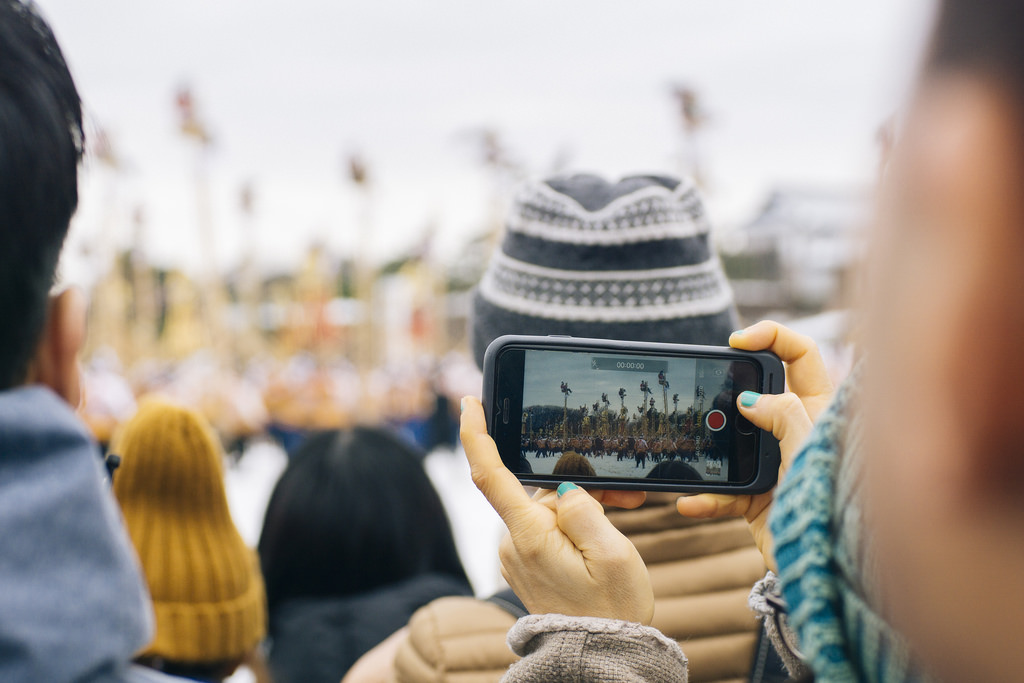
[[796, 256]]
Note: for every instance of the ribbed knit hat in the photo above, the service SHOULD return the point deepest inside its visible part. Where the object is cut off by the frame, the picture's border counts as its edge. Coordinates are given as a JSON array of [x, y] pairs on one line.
[[584, 257], [205, 583]]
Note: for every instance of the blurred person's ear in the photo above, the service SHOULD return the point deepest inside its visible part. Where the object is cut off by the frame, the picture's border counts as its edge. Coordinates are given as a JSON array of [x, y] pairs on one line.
[[55, 363]]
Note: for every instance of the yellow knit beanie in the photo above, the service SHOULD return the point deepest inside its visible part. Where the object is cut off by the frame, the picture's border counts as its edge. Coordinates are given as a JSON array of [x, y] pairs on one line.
[[206, 584]]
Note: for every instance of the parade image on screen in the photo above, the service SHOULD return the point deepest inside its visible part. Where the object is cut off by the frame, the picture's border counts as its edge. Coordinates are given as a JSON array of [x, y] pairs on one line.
[[607, 415]]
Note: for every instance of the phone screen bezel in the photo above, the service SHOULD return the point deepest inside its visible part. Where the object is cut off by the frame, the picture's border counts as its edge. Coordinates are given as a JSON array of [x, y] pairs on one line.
[[503, 397]]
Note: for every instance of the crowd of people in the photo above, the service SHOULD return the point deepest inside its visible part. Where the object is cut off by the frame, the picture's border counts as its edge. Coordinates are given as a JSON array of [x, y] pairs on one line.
[[284, 398], [620, 447], [890, 550]]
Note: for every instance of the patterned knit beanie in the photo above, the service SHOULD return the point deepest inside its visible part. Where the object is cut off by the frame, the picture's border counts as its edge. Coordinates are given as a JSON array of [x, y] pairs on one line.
[[583, 257], [205, 583]]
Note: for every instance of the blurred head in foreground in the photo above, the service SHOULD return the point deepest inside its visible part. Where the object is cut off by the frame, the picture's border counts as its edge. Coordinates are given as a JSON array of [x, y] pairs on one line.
[[205, 583], [945, 324], [630, 260], [41, 143]]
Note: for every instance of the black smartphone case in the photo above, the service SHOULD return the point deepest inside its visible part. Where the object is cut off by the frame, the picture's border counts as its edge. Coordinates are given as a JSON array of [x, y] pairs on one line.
[[773, 382]]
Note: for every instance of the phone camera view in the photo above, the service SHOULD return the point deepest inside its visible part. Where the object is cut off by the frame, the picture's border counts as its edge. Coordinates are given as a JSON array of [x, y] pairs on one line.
[[660, 418]]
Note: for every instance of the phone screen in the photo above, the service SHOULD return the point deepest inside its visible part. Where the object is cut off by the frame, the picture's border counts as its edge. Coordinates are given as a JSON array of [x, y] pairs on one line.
[[631, 416]]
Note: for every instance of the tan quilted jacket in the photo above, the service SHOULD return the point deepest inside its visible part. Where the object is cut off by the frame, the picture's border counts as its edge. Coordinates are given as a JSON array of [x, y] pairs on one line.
[[702, 573]]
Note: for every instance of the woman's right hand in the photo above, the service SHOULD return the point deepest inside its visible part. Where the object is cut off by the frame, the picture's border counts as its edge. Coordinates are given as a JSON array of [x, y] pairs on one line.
[[561, 555], [788, 416]]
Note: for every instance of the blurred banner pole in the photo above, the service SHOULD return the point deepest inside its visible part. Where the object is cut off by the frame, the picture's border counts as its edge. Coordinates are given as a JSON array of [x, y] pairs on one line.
[[108, 309], [249, 335], [209, 294], [364, 277], [693, 119]]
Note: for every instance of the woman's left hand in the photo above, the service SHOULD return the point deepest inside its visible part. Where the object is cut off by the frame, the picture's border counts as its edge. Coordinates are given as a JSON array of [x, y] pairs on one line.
[[561, 555], [787, 416]]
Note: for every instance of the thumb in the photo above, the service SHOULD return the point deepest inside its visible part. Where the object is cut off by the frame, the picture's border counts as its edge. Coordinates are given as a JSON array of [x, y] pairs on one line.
[[784, 415], [581, 518]]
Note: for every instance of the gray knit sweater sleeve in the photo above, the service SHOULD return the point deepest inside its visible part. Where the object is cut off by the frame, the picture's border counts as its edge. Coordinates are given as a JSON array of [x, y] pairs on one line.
[[779, 633], [555, 647]]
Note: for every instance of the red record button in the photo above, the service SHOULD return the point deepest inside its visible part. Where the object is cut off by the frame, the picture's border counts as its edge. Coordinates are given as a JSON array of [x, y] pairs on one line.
[[715, 420]]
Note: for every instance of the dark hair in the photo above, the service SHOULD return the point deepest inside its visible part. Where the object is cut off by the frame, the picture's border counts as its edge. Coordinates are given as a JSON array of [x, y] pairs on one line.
[[354, 510], [200, 671], [674, 469], [983, 36], [40, 147]]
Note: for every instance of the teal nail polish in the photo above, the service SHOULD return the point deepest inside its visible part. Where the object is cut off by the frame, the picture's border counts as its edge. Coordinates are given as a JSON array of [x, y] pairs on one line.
[[565, 487], [462, 406], [749, 398], [737, 333]]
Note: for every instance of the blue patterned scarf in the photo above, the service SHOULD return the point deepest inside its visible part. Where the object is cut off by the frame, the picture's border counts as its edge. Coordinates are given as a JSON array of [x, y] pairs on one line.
[[826, 564]]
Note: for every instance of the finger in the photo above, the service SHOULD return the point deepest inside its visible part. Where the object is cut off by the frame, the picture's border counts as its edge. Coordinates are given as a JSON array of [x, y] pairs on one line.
[[805, 368], [784, 415], [540, 494], [501, 488], [581, 518], [708, 505], [626, 500], [545, 497], [619, 499]]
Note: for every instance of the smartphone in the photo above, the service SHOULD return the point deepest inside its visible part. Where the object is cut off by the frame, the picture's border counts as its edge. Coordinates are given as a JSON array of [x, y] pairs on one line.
[[629, 415]]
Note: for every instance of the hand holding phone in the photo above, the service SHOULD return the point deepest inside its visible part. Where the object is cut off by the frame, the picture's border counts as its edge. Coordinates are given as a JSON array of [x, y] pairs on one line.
[[629, 415], [562, 555], [788, 416]]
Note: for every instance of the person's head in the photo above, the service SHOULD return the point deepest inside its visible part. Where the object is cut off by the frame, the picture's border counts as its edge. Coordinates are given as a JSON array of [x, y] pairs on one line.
[[572, 464], [353, 511], [945, 324], [40, 147], [674, 469], [630, 260], [205, 583]]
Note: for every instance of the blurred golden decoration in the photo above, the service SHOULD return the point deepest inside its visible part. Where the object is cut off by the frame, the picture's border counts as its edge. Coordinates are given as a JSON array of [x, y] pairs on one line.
[[183, 332], [693, 119], [330, 343], [188, 120]]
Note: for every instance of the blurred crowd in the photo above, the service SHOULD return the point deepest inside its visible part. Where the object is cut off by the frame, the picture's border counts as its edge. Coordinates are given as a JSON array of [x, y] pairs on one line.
[[284, 399]]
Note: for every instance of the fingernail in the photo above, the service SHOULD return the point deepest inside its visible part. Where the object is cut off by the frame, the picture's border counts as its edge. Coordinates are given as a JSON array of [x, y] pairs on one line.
[[749, 398], [565, 487], [736, 333], [462, 405]]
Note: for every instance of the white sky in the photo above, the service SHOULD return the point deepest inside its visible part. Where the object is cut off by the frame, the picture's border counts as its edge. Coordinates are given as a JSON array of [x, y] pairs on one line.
[[544, 373], [795, 89]]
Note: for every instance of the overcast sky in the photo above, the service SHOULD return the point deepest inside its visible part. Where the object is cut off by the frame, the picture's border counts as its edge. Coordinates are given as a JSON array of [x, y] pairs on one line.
[[544, 372], [795, 90]]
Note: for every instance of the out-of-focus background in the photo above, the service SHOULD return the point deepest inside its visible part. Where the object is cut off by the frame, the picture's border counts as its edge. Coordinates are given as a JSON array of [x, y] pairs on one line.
[[285, 205]]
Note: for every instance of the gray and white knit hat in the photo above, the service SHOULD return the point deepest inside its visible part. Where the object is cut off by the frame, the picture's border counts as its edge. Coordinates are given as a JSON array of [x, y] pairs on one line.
[[584, 257]]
